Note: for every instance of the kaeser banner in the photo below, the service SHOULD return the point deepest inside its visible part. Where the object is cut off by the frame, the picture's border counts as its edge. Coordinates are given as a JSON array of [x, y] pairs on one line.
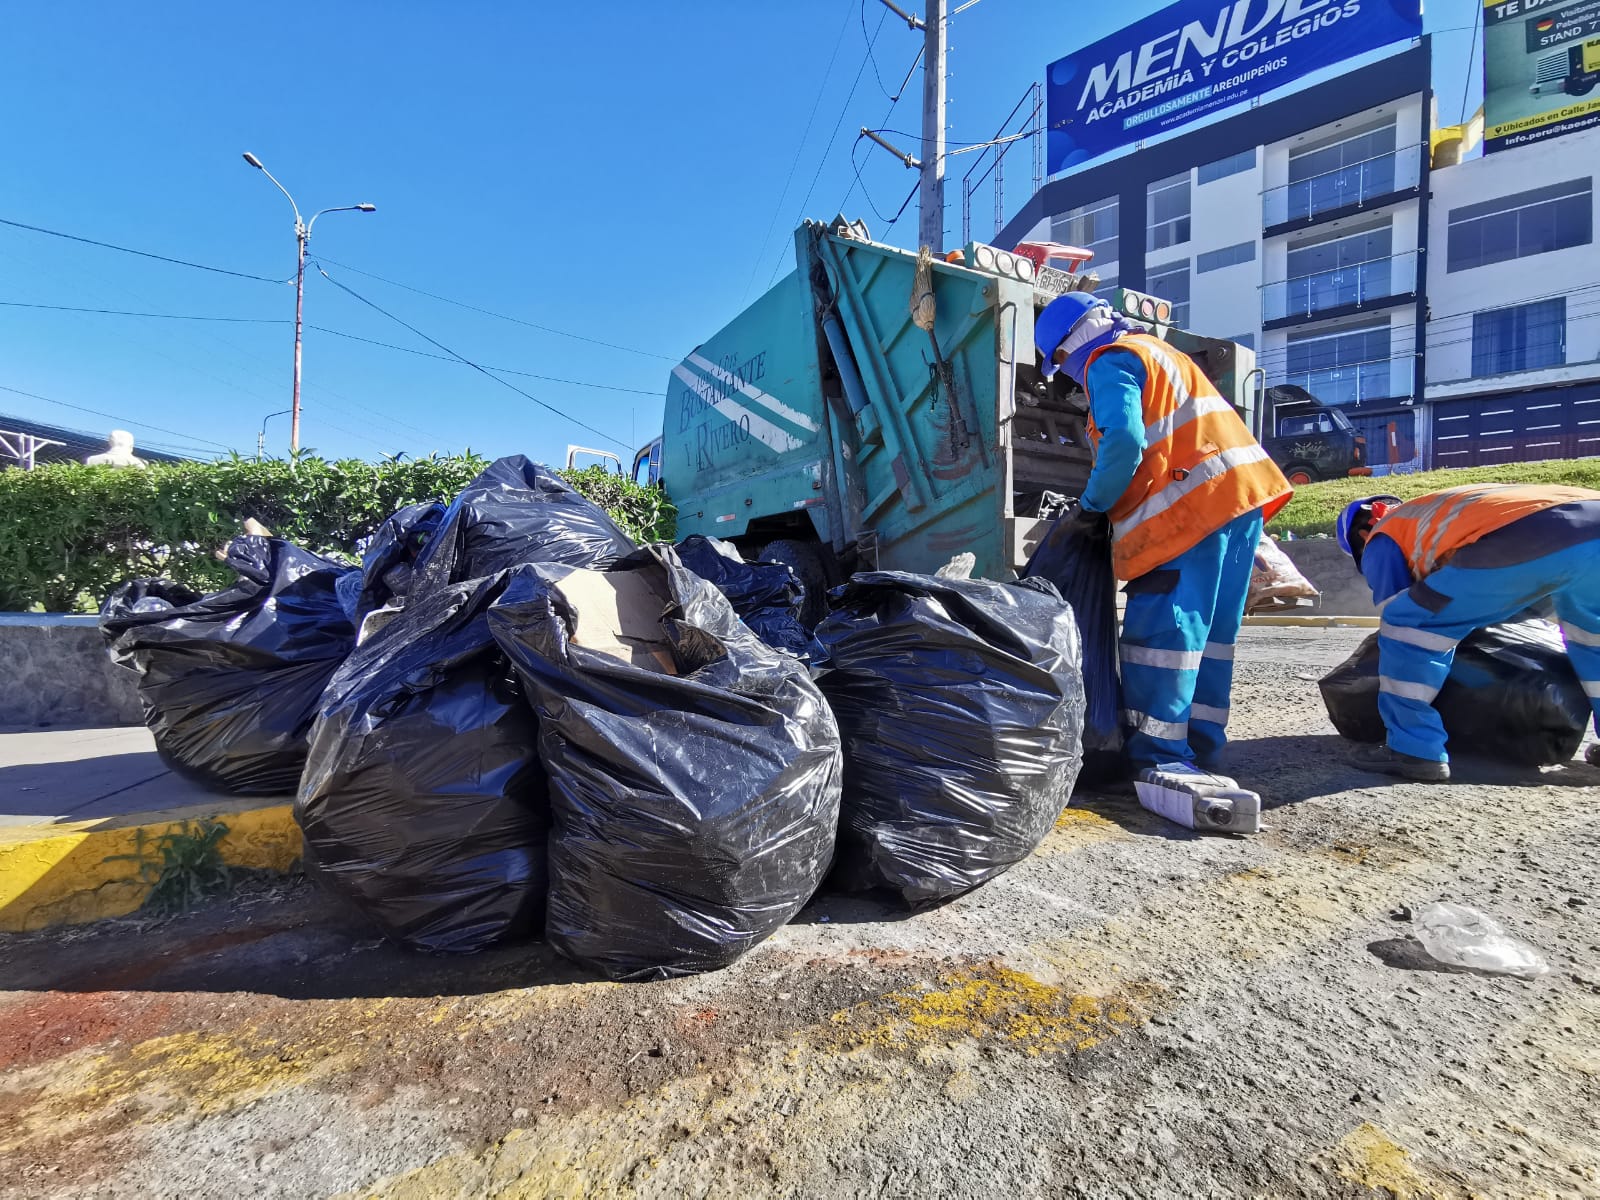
[[1198, 56], [1541, 66]]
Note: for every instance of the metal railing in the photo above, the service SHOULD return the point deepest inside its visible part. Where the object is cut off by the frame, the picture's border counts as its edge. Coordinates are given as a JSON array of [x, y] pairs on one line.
[[1346, 383], [1355, 184], [1353, 285]]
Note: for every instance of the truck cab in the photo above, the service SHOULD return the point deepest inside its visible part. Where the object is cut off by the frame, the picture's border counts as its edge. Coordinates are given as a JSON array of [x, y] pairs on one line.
[[1310, 441]]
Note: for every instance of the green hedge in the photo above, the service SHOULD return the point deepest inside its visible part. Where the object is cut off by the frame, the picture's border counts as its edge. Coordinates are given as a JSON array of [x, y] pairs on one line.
[[72, 533]]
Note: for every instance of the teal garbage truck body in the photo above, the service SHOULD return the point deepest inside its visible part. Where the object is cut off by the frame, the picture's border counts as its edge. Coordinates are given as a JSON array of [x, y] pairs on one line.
[[827, 428]]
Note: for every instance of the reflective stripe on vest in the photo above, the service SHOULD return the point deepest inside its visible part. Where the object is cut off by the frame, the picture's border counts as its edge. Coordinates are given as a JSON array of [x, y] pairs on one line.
[[1431, 528], [1200, 468]]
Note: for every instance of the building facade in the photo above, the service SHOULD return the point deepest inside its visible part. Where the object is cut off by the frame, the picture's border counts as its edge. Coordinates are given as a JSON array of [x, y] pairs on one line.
[[1451, 312]]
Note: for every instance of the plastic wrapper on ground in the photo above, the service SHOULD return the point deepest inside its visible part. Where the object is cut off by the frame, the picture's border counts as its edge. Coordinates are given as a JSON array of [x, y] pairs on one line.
[[766, 595], [517, 512], [1512, 695], [1275, 582], [229, 682], [694, 772], [423, 802], [1078, 563], [961, 707]]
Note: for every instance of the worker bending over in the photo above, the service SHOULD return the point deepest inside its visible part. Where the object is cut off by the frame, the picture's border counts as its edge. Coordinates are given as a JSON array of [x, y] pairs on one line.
[[1450, 562], [1186, 489]]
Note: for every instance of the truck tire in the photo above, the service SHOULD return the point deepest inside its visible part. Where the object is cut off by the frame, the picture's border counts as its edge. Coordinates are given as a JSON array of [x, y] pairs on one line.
[[1301, 474], [807, 562]]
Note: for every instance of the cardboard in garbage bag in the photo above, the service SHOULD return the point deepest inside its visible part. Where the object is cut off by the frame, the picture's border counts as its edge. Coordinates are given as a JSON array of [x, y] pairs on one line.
[[517, 512], [694, 771], [229, 682], [1512, 695], [423, 803], [961, 706]]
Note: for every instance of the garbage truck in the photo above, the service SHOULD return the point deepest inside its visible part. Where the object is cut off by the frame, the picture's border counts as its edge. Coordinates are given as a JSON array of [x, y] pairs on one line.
[[864, 414]]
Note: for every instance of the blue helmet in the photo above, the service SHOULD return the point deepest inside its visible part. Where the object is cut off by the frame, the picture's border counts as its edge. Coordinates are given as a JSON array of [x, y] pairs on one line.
[[1051, 327], [1358, 516]]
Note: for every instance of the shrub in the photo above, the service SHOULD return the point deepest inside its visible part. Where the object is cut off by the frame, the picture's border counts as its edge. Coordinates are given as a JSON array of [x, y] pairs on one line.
[[72, 533]]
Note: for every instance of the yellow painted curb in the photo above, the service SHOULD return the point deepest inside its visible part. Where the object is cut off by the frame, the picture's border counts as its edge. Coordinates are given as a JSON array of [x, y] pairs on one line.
[[69, 874], [1313, 622]]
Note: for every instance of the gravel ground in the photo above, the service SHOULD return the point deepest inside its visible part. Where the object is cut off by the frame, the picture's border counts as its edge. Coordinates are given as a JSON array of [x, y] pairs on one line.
[[1131, 1012]]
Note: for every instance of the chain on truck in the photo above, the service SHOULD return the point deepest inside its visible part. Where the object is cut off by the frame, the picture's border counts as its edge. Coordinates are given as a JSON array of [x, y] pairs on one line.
[[829, 428]]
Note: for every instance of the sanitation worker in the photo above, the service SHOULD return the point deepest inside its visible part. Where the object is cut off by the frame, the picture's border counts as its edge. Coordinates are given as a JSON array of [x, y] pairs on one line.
[[1450, 562], [1186, 489]]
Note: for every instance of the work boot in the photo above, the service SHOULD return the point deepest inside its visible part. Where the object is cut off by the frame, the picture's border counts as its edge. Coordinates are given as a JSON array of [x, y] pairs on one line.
[[1391, 762], [1592, 755]]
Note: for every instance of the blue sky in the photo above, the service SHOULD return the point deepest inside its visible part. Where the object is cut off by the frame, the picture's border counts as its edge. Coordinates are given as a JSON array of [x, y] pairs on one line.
[[628, 173]]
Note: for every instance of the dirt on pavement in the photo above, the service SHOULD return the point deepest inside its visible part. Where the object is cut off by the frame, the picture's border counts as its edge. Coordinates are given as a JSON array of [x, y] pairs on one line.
[[1134, 1011]]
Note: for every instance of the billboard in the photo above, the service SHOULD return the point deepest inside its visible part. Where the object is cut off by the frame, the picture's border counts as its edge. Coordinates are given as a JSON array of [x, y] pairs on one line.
[[1541, 69], [1195, 57]]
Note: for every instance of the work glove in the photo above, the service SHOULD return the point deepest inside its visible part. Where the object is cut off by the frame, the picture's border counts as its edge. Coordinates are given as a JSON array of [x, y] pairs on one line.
[[1079, 521]]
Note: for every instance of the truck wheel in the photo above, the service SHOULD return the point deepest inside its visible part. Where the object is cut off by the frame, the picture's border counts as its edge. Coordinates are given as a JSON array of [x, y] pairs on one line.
[[805, 559], [1301, 474]]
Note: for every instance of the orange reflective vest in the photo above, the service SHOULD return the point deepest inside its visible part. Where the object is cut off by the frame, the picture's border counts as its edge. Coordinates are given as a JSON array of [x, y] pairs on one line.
[[1431, 528], [1201, 468]]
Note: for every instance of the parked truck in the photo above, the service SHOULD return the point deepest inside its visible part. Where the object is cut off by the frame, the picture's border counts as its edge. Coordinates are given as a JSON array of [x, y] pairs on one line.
[[1309, 440], [825, 428]]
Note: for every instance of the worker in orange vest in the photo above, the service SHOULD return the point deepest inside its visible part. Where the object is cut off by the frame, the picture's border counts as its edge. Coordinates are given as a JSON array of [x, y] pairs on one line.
[[1186, 489], [1450, 562]]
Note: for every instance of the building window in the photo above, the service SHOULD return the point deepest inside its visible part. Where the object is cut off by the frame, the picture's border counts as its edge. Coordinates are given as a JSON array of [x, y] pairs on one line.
[[1352, 269], [1228, 256], [1168, 212], [1356, 168], [1523, 338], [1171, 282], [1092, 227], [1341, 367], [1557, 217], [1234, 164]]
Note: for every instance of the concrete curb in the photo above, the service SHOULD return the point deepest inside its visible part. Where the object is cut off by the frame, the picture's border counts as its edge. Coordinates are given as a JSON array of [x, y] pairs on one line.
[[1313, 622], [71, 873]]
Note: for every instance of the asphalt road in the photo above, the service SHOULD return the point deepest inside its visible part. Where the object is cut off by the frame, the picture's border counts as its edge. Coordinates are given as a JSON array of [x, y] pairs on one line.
[[1131, 1012]]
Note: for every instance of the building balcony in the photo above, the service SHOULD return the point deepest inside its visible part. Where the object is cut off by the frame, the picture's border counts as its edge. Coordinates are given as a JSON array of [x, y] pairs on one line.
[[1377, 284], [1358, 187], [1347, 384]]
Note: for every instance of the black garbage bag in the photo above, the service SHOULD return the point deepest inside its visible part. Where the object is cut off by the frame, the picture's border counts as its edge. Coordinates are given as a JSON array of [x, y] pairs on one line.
[[517, 512], [423, 802], [960, 702], [694, 772], [229, 682], [1079, 564], [388, 560], [766, 595], [1512, 695]]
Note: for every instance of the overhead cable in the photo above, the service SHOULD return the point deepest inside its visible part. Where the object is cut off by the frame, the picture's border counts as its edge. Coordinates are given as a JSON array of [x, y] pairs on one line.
[[121, 420], [179, 262]]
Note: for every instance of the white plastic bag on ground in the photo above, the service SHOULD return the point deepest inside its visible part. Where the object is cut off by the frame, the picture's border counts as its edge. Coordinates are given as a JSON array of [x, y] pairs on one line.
[[1464, 937], [1275, 582]]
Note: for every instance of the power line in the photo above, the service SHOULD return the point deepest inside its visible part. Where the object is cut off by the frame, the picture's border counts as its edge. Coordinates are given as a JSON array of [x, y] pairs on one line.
[[498, 315], [180, 262], [119, 312], [1472, 45], [838, 125], [111, 416], [822, 89], [462, 358], [608, 387]]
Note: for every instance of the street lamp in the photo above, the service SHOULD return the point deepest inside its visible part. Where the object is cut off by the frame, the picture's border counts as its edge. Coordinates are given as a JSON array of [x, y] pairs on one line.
[[261, 438], [302, 234]]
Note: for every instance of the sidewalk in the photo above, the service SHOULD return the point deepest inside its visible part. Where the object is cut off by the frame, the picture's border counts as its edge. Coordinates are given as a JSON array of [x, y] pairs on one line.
[[82, 812]]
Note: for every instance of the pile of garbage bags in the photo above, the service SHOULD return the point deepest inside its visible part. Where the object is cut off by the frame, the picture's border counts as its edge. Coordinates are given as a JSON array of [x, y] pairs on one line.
[[511, 722], [1512, 695]]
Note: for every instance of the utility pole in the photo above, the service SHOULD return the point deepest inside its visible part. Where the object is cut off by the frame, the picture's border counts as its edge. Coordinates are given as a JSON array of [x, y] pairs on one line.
[[931, 233], [933, 24]]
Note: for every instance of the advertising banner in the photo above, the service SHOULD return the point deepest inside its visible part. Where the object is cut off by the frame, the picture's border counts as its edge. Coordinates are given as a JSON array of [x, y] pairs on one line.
[[1541, 69], [1195, 57]]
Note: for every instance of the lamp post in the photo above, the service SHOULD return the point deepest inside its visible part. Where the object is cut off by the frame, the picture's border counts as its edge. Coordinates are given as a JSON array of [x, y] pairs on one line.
[[261, 438], [302, 235]]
